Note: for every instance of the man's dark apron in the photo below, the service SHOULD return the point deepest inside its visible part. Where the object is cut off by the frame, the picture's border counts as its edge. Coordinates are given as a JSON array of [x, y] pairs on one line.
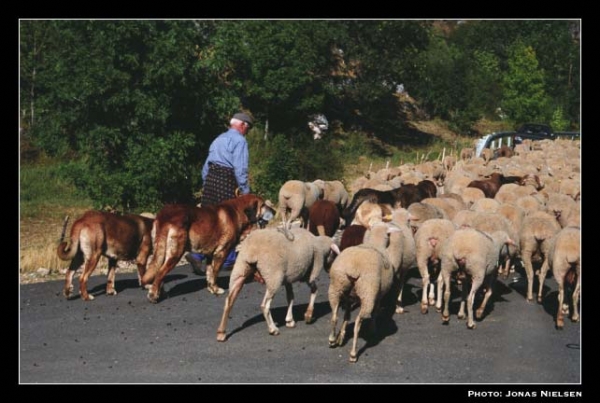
[[220, 185]]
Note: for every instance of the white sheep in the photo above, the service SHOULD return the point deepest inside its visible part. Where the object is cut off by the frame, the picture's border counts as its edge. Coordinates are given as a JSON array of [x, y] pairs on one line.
[[560, 205], [571, 188], [420, 212], [464, 218], [565, 261], [474, 253], [446, 204], [455, 199], [278, 261], [449, 162], [467, 153], [429, 239], [457, 182], [512, 213], [485, 205], [296, 197], [365, 272], [492, 222], [471, 195], [334, 191], [574, 217], [529, 203], [408, 254], [535, 235], [369, 213], [507, 193]]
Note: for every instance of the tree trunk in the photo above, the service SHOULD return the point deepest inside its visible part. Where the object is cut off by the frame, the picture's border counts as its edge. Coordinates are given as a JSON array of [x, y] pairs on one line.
[[31, 102], [267, 129]]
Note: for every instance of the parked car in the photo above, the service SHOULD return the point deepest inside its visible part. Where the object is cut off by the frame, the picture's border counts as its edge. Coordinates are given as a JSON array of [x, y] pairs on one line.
[[537, 129], [531, 131]]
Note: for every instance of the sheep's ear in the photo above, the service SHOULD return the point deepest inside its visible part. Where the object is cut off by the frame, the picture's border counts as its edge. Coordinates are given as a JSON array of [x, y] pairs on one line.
[[509, 241], [335, 249]]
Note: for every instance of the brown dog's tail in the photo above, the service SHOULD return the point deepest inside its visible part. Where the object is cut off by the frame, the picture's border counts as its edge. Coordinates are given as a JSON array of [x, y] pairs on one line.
[[66, 250], [64, 229], [159, 251]]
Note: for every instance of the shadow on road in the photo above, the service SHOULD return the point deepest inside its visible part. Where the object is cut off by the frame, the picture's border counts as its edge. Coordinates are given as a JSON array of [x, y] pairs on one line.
[[186, 287], [321, 309], [385, 327]]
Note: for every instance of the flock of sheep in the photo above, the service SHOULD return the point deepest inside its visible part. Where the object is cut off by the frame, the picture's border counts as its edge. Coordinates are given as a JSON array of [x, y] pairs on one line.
[[486, 217]]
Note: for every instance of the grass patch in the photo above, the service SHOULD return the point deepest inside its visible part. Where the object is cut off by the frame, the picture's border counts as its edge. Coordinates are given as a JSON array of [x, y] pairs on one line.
[[44, 200]]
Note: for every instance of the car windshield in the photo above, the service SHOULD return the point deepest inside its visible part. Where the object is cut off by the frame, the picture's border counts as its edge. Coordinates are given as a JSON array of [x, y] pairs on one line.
[[533, 128]]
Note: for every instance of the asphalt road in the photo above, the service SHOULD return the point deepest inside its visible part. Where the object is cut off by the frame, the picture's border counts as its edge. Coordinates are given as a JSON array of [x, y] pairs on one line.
[[126, 339]]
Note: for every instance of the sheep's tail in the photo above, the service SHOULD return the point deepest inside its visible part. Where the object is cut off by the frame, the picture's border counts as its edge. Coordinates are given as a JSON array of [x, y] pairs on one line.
[[160, 251], [321, 230], [66, 250]]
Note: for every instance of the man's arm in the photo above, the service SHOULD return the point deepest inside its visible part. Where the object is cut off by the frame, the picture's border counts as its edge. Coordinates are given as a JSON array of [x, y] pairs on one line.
[[240, 166]]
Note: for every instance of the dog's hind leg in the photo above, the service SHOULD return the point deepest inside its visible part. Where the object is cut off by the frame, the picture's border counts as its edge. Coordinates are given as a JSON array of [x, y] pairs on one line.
[[141, 263], [175, 247], [110, 278], [212, 272], [73, 266], [155, 288], [89, 267]]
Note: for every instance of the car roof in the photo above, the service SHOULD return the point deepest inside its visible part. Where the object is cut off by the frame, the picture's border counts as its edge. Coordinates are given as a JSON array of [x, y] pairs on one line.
[[536, 126]]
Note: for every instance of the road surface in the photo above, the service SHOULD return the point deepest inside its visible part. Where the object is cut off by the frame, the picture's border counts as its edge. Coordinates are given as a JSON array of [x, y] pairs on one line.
[[126, 339]]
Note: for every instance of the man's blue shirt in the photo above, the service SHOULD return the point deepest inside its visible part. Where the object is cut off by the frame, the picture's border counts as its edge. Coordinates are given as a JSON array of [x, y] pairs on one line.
[[230, 150]]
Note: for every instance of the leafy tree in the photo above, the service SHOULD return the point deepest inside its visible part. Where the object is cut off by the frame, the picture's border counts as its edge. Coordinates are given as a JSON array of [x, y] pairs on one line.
[[138, 102], [555, 45], [483, 83], [441, 85], [524, 96], [372, 59], [277, 67], [132, 98]]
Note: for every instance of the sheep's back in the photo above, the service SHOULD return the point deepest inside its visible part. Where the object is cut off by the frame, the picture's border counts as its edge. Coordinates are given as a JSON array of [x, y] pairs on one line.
[[469, 245], [566, 247], [357, 262], [277, 257]]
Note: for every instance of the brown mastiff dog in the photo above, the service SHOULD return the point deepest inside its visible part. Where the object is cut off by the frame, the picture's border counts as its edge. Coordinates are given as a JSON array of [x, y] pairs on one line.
[[97, 233], [211, 230]]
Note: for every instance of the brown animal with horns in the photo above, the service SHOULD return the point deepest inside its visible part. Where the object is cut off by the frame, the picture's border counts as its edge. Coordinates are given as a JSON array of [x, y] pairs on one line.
[[99, 233], [211, 230], [490, 186]]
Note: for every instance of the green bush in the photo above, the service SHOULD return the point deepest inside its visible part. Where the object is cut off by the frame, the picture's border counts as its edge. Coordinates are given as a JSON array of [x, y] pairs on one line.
[[300, 158], [559, 122], [137, 172]]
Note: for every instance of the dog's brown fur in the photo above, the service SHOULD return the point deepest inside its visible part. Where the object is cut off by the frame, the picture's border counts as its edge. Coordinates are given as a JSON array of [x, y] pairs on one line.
[[211, 230], [117, 237]]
